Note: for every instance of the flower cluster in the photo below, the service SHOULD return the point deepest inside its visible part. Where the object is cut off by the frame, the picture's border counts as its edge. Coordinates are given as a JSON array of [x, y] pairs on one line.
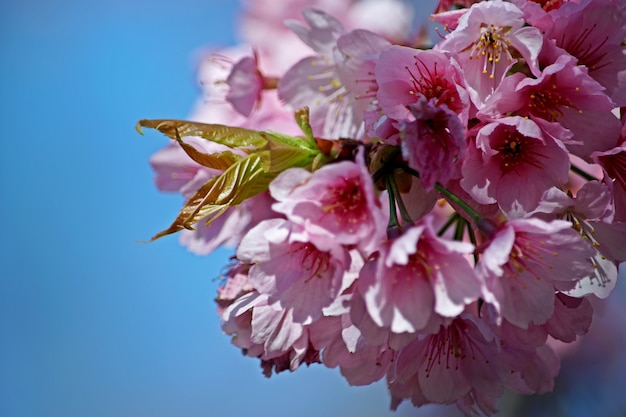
[[439, 216]]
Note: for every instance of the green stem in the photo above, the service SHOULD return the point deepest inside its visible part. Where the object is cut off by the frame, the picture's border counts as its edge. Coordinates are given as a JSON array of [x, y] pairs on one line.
[[406, 217], [450, 196], [459, 230], [582, 173], [472, 238], [453, 218], [386, 168], [393, 216]]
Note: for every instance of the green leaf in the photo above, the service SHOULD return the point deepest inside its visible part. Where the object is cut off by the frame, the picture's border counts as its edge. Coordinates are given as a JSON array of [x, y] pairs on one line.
[[244, 179], [279, 157], [302, 119]]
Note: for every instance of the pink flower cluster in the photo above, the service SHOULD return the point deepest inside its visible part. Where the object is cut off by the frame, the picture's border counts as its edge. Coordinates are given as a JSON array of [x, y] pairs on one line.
[[471, 208]]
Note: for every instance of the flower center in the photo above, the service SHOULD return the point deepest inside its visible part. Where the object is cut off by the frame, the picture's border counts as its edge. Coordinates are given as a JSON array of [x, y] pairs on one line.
[[492, 45], [346, 203], [431, 84], [511, 151], [546, 103], [449, 347], [314, 262]]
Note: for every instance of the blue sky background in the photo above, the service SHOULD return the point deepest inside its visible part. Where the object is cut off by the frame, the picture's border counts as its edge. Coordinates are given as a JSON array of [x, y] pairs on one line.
[[92, 323]]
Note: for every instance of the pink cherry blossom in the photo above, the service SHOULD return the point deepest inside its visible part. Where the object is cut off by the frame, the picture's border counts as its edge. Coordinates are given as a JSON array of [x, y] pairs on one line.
[[533, 364], [416, 276], [487, 40], [343, 346], [292, 271], [446, 5], [593, 32], [405, 74], [269, 333], [465, 209], [590, 213], [572, 318], [444, 367], [336, 203], [434, 144], [526, 262], [214, 107], [246, 84], [337, 83], [613, 161], [566, 94], [512, 163]]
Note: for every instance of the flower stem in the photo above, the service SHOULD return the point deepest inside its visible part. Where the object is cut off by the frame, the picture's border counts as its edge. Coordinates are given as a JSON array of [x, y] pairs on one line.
[[406, 217], [393, 216], [450, 196], [453, 218], [582, 173]]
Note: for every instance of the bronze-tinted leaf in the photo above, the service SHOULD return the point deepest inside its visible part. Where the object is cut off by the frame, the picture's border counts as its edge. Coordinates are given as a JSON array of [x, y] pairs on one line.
[[219, 161], [234, 137]]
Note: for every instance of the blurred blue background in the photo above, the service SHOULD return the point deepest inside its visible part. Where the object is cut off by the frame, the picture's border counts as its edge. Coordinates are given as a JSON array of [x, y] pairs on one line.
[[93, 323]]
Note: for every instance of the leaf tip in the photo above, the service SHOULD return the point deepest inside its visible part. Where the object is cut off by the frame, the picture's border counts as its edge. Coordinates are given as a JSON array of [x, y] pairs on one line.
[[138, 127]]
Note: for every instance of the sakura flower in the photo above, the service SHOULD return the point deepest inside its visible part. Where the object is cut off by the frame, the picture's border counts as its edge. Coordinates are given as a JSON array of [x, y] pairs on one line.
[[417, 276], [566, 94], [360, 257], [236, 285], [590, 212], [613, 161], [269, 333], [512, 163], [593, 32], [337, 83], [292, 271], [488, 40], [360, 362], [240, 65], [526, 262], [246, 85], [446, 366], [540, 13], [532, 365], [336, 203], [572, 318], [405, 74], [434, 144]]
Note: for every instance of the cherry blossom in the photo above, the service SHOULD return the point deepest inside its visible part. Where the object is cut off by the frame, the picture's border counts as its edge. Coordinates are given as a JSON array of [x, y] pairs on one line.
[[445, 214], [489, 38], [526, 262], [512, 162]]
